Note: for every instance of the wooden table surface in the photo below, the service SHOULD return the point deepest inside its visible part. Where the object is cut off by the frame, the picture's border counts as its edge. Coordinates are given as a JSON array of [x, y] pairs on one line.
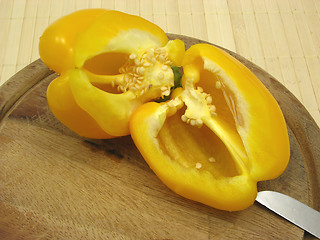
[[280, 36]]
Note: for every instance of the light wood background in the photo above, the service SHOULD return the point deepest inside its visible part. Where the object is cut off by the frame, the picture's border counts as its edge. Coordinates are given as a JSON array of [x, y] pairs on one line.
[[280, 36]]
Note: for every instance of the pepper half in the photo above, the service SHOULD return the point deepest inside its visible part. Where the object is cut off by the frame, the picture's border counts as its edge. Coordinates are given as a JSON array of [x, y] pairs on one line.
[[218, 135], [109, 64]]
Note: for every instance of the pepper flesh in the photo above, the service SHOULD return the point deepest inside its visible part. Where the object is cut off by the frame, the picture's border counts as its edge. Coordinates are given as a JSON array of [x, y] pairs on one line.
[[218, 135], [63, 105], [120, 59]]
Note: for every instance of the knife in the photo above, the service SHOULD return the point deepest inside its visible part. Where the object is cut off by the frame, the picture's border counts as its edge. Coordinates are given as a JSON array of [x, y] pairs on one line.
[[291, 209]]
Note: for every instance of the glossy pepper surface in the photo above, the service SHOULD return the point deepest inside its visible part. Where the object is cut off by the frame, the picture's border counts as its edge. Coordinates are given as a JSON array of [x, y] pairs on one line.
[[219, 135], [109, 63]]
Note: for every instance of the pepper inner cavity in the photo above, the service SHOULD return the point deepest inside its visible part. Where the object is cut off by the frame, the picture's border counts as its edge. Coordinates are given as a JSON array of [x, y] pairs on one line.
[[106, 63], [211, 104], [148, 74], [196, 148], [227, 114]]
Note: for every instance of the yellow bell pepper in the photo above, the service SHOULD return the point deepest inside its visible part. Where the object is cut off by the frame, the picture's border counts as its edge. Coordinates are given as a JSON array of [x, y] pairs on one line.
[[219, 135], [109, 64]]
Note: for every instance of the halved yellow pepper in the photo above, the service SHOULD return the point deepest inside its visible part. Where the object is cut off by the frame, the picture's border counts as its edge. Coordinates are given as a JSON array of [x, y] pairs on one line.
[[218, 136], [110, 64], [220, 133]]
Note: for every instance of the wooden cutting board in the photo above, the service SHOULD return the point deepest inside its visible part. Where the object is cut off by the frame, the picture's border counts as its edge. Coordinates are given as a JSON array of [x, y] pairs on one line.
[[57, 185]]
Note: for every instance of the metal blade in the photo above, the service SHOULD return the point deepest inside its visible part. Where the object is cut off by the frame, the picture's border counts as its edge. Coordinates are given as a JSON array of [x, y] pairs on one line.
[[291, 209]]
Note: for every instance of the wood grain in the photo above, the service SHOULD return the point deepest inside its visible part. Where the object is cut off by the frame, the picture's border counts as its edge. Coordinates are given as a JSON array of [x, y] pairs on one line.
[[56, 185]]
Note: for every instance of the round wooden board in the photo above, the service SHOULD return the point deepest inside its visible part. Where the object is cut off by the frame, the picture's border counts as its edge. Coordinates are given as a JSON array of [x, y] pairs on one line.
[[57, 185]]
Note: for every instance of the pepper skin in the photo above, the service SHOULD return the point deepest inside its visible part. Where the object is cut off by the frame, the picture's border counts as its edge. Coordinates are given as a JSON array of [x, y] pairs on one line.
[[110, 63], [218, 135], [63, 105], [56, 45]]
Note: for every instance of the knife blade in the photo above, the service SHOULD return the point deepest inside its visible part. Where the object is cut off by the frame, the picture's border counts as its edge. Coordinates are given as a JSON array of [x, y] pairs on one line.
[[291, 209]]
